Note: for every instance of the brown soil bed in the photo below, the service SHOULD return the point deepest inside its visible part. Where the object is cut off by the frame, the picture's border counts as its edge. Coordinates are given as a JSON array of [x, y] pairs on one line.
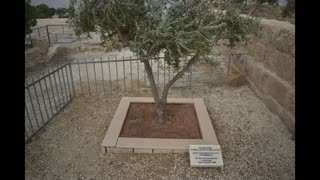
[[141, 122]]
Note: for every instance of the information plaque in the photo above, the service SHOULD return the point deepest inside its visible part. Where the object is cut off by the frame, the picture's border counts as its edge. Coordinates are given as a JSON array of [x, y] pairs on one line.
[[205, 156]]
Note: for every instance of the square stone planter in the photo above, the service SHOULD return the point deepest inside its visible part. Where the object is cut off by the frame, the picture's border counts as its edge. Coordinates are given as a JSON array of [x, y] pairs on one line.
[[114, 144]]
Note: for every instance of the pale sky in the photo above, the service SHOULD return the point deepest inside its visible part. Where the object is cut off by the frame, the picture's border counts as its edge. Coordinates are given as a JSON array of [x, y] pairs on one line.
[[52, 3]]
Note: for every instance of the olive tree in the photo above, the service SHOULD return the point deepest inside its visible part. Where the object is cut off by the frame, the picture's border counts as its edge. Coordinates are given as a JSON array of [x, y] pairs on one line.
[[62, 12], [178, 28], [43, 11]]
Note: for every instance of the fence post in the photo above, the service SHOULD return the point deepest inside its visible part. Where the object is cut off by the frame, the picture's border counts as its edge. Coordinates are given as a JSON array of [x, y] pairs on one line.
[[30, 40], [72, 82], [39, 33], [48, 34], [229, 62], [189, 76]]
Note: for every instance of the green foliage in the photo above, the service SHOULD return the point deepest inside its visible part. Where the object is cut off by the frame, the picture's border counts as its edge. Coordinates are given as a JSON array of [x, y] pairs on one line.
[[178, 28], [51, 12], [109, 17], [289, 10], [189, 27], [29, 18], [43, 11], [62, 12]]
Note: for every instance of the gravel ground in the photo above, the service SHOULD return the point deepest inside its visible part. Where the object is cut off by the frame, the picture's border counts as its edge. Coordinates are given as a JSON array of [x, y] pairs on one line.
[[255, 143]]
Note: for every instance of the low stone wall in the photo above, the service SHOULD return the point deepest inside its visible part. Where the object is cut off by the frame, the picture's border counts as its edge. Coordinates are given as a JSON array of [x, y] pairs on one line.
[[275, 49], [276, 93], [270, 69]]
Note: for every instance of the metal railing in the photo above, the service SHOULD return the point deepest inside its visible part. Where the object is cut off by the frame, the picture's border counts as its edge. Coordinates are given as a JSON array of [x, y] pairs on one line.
[[28, 41], [50, 93], [55, 33], [104, 76], [46, 97], [236, 58]]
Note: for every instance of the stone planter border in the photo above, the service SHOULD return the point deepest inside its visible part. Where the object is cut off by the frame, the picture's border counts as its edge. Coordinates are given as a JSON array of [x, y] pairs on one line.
[[114, 144]]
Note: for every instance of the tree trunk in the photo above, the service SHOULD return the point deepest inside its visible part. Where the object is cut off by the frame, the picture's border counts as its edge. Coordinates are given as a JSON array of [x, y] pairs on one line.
[[161, 111], [124, 39], [256, 6], [160, 102]]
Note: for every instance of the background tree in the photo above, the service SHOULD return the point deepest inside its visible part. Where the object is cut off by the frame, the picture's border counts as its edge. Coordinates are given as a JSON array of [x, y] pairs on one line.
[[51, 12], [178, 28], [62, 12], [289, 9], [43, 11], [29, 18]]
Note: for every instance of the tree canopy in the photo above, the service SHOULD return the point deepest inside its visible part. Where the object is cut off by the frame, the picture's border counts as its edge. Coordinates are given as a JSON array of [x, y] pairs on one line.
[[178, 28], [107, 16], [43, 11], [62, 12]]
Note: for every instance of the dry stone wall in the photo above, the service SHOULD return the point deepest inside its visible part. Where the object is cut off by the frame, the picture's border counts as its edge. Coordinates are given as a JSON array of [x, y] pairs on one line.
[[271, 69]]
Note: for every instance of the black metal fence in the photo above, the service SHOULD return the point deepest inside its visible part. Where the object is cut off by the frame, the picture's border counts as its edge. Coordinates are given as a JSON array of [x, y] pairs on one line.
[[107, 76], [55, 33], [28, 41], [46, 96]]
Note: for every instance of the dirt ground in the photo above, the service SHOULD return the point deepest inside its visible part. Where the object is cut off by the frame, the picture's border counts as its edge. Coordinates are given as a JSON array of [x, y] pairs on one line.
[[255, 143], [44, 22], [182, 122]]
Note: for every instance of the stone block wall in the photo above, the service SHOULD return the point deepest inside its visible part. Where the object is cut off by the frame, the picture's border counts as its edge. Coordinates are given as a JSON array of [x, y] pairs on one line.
[[270, 68]]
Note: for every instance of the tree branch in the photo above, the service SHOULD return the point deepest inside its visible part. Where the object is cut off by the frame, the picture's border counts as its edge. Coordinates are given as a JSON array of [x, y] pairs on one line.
[[151, 79], [178, 75]]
